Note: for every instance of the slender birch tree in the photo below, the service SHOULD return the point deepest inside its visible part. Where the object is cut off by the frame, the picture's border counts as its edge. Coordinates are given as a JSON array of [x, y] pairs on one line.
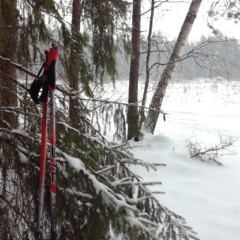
[[157, 99]]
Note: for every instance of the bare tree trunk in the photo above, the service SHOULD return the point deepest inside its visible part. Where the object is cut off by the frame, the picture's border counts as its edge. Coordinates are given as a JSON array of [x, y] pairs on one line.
[[8, 89], [159, 93], [74, 61], [133, 128], [149, 43]]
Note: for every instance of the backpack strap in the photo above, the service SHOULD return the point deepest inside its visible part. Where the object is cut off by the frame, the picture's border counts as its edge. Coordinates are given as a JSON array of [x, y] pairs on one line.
[[37, 85]]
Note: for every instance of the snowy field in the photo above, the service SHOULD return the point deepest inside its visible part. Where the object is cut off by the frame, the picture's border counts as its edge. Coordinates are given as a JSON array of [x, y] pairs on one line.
[[206, 195]]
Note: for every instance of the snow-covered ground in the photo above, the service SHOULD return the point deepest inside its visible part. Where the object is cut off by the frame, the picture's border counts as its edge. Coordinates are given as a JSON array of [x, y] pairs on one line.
[[207, 196]]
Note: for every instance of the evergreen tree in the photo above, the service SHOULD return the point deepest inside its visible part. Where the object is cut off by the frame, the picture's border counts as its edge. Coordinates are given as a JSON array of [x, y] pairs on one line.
[[98, 196]]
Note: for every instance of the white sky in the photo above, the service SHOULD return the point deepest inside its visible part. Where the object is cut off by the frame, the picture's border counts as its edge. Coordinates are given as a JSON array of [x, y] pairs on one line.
[[170, 24]]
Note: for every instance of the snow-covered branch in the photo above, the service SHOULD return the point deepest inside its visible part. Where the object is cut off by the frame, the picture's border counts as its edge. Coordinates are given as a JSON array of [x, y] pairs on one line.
[[18, 66]]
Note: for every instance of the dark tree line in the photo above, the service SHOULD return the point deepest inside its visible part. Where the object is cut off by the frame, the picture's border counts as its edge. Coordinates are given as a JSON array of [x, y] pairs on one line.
[[209, 57]]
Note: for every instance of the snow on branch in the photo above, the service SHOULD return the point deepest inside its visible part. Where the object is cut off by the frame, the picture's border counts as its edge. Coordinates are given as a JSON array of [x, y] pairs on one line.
[[135, 161], [76, 193], [134, 222], [75, 95], [113, 199], [211, 153], [120, 149], [18, 66], [185, 230], [100, 188], [68, 127], [122, 182], [106, 169], [137, 200]]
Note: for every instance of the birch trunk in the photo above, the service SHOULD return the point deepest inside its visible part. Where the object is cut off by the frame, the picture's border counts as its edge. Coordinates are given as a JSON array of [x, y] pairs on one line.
[[156, 102]]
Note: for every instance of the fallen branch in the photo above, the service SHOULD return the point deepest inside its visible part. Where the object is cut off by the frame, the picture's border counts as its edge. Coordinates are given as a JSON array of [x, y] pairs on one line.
[[212, 153]]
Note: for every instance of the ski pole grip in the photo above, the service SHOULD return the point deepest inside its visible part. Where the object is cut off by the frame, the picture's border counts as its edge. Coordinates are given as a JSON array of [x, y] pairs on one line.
[[54, 46]]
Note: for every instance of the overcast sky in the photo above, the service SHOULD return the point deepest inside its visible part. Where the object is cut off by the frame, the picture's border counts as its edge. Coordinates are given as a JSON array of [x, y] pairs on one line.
[[170, 24]]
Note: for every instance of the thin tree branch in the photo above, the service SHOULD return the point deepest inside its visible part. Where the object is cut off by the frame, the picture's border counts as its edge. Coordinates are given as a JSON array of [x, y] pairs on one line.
[[18, 66]]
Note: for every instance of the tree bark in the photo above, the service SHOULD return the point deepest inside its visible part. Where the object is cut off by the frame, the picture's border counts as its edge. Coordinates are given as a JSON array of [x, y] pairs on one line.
[[8, 89], [133, 128], [74, 62], [157, 99], [149, 46]]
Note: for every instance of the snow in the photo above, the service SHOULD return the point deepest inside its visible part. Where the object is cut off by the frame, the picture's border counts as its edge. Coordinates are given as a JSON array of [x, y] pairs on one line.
[[23, 157], [106, 193], [206, 195], [74, 162]]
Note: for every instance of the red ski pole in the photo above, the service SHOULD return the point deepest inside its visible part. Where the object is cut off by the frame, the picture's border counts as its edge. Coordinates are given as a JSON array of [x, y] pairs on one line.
[[48, 91], [53, 54], [44, 100], [39, 235]]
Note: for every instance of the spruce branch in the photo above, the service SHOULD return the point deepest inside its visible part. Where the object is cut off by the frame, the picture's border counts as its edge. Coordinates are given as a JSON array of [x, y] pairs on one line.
[[18, 66]]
